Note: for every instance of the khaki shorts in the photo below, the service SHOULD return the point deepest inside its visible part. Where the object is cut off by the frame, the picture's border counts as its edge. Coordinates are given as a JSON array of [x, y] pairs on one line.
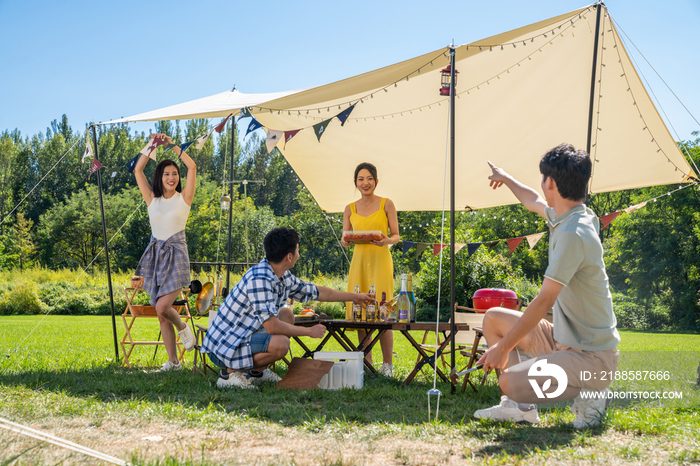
[[574, 362]]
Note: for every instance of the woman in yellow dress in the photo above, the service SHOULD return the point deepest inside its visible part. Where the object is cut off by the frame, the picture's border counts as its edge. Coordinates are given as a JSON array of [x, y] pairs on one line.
[[372, 263]]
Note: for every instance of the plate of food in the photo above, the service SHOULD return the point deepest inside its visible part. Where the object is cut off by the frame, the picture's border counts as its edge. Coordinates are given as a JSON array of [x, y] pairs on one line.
[[362, 236], [306, 314]]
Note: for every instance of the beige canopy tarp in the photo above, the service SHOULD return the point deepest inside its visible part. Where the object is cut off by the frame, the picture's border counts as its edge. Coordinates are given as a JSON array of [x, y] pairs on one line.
[[218, 105], [519, 94]]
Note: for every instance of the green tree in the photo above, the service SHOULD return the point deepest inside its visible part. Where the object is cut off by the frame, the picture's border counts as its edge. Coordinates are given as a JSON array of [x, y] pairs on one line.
[[10, 144], [654, 252], [19, 244], [70, 232]]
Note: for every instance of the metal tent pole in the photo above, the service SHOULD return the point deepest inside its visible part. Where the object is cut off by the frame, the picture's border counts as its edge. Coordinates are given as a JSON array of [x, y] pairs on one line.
[[599, 8], [104, 237], [230, 207], [452, 211]]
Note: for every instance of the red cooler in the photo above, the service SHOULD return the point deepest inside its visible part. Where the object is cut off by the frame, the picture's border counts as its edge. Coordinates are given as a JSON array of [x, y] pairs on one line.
[[486, 298]]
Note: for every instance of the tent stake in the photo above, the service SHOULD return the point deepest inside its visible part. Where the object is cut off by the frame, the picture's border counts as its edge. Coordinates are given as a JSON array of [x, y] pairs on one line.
[[104, 237], [453, 329]]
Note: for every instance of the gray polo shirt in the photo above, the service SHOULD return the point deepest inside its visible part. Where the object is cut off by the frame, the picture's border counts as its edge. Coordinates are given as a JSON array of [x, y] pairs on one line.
[[583, 314]]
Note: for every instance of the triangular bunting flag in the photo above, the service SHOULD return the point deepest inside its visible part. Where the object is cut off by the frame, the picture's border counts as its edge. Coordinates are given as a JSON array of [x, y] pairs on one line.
[[491, 244], [245, 113], [273, 137], [220, 127], [472, 247], [458, 247], [132, 163], [202, 140], [169, 146], [533, 239], [252, 126], [88, 150], [289, 135], [149, 149], [185, 146], [96, 165], [342, 116], [420, 248], [159, 140], [437, 248], [606, 219], [631, 209], [319, 128], [408, 245], [514, 243]]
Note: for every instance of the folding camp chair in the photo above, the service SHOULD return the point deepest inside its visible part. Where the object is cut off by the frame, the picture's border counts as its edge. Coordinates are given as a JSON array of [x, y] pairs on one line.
[[464, 340]]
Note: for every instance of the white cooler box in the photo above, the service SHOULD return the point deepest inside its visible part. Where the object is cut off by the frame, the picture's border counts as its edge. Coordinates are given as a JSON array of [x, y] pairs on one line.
[[347, 370]]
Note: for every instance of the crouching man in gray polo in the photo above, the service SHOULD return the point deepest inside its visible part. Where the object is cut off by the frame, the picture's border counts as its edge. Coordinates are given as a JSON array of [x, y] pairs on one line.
[[583, 336]]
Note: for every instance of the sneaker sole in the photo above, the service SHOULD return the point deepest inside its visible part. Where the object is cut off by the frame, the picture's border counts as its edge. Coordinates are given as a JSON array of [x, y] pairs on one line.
[[513, 419], [227, 386]]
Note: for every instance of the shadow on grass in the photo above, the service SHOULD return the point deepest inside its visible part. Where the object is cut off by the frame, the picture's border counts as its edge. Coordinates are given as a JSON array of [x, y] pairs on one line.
[[509, 442], [381, 400], [193, 398]]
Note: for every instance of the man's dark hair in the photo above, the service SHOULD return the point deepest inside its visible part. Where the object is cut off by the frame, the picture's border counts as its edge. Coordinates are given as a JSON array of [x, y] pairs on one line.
[[569, 168], [279, 242], [158, 177]]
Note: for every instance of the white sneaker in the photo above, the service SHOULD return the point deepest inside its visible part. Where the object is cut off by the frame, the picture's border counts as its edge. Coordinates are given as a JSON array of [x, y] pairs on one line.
[[508, 410], [233, 379], [590, 408], [187, 337], [265, 376], [387, 370], [169, 366]]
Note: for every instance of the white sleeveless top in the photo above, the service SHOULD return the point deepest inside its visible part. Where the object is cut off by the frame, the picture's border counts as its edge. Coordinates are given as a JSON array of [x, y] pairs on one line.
[[168, 216]]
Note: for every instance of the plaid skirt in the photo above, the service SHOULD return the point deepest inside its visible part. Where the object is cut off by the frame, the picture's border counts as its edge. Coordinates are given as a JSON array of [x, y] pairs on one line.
[[165, 266]]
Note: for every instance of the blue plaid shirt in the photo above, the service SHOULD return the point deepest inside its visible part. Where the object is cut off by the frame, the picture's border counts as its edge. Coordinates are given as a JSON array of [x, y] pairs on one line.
[[257, 297]]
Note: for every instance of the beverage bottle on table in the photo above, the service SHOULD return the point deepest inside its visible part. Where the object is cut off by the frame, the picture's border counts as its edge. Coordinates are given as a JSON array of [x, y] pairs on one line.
[[383, 309], [372, 306], [357, 308], [391, 307], [412, 298], [403, 304]]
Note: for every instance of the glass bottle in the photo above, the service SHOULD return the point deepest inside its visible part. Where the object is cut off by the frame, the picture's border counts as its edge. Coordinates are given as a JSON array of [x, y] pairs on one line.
[[357, 308], [383, 309], [371, 308], [411, 297], [403, 304]]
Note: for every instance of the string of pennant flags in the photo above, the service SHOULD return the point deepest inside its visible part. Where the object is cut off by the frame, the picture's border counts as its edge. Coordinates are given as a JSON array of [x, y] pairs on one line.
[[149, 149], [532, 240], [274, 136]]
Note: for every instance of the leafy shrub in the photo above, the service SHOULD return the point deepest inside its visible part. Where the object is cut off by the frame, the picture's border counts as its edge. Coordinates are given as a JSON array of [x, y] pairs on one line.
[[20, 299], [472, 273], [638, 316]]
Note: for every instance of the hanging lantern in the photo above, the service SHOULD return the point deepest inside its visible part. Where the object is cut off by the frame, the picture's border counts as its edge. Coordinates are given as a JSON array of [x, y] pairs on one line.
[[445, 89], [225, 202]]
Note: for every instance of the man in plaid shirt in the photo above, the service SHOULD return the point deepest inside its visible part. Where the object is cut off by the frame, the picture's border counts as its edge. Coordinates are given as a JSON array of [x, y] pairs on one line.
[[252, 328]]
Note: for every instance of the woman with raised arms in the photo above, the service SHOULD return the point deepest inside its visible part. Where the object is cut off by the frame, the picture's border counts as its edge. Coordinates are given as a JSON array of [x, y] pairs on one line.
[[165, 264]]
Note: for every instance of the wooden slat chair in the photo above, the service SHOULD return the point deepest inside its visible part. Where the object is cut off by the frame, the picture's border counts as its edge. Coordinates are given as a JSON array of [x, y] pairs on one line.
[[478, 348], [463, 340]]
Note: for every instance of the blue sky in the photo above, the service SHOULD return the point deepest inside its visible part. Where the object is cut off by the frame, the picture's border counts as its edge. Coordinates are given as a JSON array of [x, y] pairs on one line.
[[96, 61]]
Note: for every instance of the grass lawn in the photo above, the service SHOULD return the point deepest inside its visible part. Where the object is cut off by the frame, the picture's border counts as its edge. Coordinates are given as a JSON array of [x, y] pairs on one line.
[[63, 380]]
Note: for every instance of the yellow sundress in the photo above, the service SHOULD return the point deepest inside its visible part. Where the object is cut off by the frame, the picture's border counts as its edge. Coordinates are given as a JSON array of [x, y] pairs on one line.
[[371, 265]]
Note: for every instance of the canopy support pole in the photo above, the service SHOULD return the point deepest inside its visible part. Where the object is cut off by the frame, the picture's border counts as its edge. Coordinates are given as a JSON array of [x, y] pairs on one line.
[[104, 237], [599, 8], [230, 207], [452, 211]]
